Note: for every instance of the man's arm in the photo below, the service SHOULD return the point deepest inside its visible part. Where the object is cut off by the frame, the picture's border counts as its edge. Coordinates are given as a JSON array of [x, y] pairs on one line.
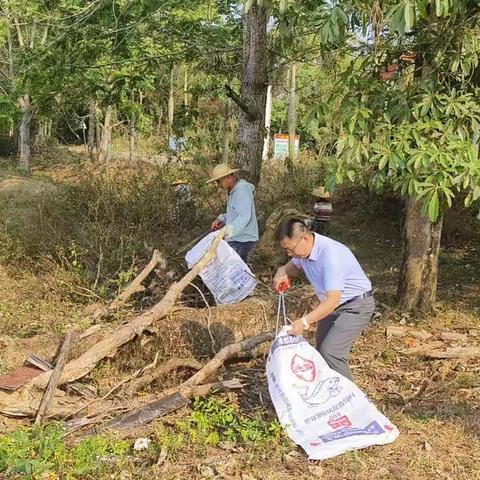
[[317, 314]]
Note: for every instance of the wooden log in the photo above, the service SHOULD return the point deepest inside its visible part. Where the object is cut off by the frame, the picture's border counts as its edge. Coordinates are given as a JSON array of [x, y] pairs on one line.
[[453, 337], [165, 405], [422, 349], [454, 352], [54, 378], [24, 403]]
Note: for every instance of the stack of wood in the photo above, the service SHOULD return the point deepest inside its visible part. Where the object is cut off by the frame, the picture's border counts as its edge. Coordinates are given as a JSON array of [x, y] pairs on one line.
[[41, 398]]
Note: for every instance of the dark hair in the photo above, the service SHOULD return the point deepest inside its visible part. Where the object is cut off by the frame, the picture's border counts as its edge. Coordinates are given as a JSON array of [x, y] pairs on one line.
[[291, 227]]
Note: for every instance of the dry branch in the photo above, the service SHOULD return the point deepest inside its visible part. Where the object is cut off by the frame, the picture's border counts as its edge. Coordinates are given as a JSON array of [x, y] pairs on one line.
[[22, 404], [54, 378], [224, 354], [162, 370], [134, 287], [454, 352], [423, 349], [176, 397]]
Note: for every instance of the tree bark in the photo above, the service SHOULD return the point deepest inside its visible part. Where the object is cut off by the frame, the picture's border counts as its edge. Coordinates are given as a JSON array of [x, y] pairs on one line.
[[251, 101], [132, 135], [105, 152], [268, 123], [292, 112], [417, 287], [91, 143], [226, 132], [171, 106], [24, 133]]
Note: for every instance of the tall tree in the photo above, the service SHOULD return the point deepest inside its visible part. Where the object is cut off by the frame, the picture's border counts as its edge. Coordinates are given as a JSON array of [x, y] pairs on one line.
[[253, 94], [413, 135]]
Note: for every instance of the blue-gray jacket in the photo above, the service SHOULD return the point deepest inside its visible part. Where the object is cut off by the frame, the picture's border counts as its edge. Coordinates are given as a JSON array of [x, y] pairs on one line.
[[241, 216]]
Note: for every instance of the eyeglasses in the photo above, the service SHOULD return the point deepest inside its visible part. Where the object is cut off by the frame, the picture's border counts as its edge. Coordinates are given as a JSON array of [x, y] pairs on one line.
[[291, 250]]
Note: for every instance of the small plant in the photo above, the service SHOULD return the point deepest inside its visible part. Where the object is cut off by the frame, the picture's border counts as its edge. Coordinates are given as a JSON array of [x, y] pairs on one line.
[[215, 420], [31, 452]]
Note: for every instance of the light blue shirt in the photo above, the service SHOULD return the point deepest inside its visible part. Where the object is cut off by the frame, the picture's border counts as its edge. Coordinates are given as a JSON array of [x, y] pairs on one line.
[[241, 216], [332, 266]]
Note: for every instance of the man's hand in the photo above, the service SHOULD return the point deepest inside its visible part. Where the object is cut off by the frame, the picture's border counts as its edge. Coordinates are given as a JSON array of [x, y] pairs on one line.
[[217, 224], [281, 281], [296, 328]]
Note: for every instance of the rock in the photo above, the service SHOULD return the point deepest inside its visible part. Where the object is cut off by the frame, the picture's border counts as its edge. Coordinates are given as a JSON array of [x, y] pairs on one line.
[[141, 444], [206, 471], [426, 446]]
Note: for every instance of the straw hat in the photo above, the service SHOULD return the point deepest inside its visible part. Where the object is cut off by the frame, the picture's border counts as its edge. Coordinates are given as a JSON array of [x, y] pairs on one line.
[[180, 181], [221, 171], [320, 193]]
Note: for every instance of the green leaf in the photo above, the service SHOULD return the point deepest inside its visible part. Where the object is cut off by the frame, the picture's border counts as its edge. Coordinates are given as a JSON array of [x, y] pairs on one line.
[[433, 207], [351, 175], [383, 162], [409, 16]]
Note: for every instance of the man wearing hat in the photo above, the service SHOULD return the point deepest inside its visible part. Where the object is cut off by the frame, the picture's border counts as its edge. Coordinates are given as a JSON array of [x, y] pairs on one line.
[[240, 218], [322, 211]]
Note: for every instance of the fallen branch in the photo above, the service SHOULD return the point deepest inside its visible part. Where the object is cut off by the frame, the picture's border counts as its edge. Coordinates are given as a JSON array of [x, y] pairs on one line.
[[147, 413], [423, 349], [21, 403], [454, 352], [224, 354], [161, 371], [54, 378], [176, 397], [134, 287]]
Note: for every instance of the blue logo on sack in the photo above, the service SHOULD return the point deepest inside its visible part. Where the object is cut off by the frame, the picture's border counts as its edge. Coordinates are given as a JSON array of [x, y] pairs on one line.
[[371, 429]]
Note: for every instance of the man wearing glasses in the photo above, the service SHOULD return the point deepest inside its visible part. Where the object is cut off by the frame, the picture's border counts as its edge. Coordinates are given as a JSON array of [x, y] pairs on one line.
[[345, 293]]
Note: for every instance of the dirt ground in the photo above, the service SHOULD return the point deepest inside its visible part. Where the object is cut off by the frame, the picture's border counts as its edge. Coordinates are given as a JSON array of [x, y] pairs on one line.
[[434, 403]]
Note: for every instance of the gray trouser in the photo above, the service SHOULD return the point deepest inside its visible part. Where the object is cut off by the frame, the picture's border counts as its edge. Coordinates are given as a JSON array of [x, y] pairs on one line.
[[337, 332]]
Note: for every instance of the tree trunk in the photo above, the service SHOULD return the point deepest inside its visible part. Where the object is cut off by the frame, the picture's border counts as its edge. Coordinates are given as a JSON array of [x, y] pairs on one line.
[[91, 143], [292, 112], [171, 106], [268, 123], [417, 287], [185, 89], [253, 93], [226, 132], [132, 135], [105, 152], [24, 133]]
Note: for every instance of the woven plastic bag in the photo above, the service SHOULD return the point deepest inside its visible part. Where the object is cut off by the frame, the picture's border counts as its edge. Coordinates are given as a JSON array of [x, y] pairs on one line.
[[227, 276], [320, 409]]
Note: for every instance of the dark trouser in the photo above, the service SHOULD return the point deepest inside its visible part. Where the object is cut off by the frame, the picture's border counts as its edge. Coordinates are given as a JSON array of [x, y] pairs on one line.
[[320, 227], [337, 332], [243, 249]]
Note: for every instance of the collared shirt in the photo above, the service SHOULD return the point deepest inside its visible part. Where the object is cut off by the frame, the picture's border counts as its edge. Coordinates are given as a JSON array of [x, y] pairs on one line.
[[240, 215], [332, 266]]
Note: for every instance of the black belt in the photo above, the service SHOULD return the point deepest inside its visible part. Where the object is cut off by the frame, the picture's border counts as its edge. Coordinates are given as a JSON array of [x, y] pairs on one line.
[[358, 297]]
